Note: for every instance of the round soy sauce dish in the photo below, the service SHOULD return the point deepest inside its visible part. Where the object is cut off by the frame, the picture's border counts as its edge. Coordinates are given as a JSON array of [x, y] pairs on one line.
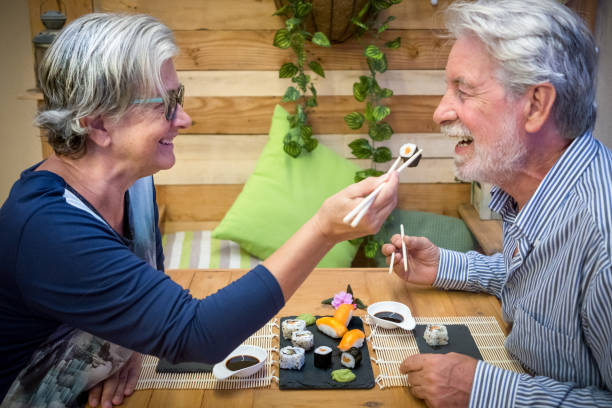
[[389, 315]]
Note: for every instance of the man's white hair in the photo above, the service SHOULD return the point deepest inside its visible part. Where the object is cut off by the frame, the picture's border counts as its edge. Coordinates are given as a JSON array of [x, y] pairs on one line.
[[536, 41]]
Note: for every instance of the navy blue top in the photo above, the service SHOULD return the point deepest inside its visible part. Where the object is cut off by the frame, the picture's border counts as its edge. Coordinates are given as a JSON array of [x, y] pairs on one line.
[[63, 265]]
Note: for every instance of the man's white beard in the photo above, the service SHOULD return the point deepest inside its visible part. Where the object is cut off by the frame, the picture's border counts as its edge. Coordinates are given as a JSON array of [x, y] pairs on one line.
[[497, 163]]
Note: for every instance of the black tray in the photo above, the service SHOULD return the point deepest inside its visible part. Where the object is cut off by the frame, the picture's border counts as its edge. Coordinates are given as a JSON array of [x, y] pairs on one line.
[[460, 340], [311, 377]]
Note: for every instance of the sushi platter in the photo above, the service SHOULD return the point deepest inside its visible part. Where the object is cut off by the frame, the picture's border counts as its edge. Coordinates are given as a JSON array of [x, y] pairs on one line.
[[318, 375]]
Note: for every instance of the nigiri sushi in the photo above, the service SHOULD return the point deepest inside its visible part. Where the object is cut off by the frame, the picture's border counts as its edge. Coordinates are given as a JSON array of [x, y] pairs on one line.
[[352, 338], [344, 313], [331, 327]]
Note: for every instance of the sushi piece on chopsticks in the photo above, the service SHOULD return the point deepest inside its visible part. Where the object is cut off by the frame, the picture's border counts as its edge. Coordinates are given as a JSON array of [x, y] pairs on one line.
[[330, 326], [352, 338]]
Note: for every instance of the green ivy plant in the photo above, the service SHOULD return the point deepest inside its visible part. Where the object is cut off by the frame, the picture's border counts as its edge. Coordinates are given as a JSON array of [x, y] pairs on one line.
[[294, 36], [369, 91]]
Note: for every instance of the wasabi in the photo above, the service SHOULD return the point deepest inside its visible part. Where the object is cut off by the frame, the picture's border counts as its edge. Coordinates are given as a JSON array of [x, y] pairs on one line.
[[343, 375], [307, 318]]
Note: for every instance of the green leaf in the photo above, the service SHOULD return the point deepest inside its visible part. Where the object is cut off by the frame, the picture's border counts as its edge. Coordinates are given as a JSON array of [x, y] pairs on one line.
[[283, 11], [302, 80], [292, 148], [291, 95], [389, 19], [360, 304], [382, 155], [301, 115], [369, 112], [382, 28], [359, 23], [380, 112], [311, 102], [303, 9], [373, 52], [370, 249], [377, 65], [320, 39], [380, 132], [281, 39], [293, 120], [311, 144], [297, 41], [356, 241], [292, 23], [395, 44], [317, 68], [385, 93], [327, 301], [349, 289], [381, 4], [354, 120], [360, 175], [360, 92], [361, 148], [287, 70], [306, 132]]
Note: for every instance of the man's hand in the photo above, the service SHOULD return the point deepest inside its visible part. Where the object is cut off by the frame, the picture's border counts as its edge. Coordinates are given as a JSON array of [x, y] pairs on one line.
[[442, 380], [121, 384]]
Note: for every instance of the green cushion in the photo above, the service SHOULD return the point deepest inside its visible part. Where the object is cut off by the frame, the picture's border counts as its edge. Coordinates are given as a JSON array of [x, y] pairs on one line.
[[283, 193], [445, 232]]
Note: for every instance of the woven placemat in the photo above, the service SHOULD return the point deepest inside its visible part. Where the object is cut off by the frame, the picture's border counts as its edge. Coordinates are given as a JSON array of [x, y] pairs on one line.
[[151, 379], [392, 346]]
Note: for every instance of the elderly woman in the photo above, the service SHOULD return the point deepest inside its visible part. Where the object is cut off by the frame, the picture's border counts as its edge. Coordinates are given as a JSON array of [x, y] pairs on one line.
[[520, 102], [81, 281]]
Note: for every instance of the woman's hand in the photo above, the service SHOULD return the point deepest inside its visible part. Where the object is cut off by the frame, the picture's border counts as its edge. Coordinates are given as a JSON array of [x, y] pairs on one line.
[[423, 258], [121, 384], [334, 209]]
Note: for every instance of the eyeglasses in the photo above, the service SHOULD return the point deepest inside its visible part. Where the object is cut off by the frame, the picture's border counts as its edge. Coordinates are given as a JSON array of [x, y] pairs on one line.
[[175, 98]]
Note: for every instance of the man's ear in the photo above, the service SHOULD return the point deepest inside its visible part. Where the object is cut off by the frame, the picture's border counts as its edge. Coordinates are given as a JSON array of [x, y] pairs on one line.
[[540, 100], [96, 130]]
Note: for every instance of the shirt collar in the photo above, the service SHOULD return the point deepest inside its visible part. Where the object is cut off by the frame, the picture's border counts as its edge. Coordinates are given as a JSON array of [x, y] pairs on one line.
[[539, 211]]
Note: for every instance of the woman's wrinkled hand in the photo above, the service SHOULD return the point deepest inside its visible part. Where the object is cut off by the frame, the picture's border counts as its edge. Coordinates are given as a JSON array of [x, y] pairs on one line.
[[118, 386]]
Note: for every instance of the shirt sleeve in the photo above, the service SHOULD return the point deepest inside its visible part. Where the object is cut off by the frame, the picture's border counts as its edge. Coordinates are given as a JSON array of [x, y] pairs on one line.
[[496, 387], [471, 271], [73, 269]]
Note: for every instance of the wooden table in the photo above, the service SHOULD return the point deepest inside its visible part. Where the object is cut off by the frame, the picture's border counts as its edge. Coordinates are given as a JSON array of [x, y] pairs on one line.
[[370, 285]]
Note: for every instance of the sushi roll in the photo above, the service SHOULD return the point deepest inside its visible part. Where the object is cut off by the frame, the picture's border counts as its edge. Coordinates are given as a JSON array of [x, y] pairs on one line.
[[303, 339], [436, 335], [352, 338], [291, 358], [351, 358], [344, 313], [322, 357], [291, 325], [407, 151], [330, 326]]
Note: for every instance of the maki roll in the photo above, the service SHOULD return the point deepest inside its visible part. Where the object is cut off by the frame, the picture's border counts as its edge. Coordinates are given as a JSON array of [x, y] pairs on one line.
[[291, 325], [291, 358], [351, 358], [322, 357], [352, 338], [303, 339], [436, 335]]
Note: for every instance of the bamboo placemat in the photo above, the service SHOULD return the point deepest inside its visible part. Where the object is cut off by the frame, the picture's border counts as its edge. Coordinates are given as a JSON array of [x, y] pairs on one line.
[[151, 379], [392, 346]]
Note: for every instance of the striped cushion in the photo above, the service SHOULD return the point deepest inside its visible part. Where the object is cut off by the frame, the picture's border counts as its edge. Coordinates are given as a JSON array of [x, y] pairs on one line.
[[196, 249]]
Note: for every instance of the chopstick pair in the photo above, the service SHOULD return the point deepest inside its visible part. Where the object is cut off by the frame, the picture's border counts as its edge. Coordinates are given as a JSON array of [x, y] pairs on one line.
[[403, 252], [357, 213]]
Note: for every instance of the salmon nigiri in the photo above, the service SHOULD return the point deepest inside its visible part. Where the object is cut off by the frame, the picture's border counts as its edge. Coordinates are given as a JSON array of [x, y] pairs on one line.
[[344, 313], [331, 327], [352, 338]]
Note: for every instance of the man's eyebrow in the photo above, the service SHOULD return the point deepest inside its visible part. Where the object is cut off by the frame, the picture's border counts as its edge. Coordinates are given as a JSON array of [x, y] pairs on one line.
[[460, 81]]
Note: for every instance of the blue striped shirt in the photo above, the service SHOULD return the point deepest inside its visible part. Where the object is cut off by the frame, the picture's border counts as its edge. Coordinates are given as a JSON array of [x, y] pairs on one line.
[[556, 290]]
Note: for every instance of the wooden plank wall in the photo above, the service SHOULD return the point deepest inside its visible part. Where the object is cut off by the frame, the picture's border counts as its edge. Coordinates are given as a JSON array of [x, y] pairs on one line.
[[229, 68]]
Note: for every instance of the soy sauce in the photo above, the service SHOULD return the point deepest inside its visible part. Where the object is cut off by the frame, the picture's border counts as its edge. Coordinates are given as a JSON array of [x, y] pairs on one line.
[[390, 316], [240, 362]]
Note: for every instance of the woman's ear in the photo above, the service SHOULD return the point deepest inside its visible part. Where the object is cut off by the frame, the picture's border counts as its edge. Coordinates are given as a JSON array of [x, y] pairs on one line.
[[540, 100], [96, 130]]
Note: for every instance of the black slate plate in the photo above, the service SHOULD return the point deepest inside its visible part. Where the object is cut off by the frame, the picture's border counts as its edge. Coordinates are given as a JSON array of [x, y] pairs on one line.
[[164, 366], [311, 377], [460, 340]]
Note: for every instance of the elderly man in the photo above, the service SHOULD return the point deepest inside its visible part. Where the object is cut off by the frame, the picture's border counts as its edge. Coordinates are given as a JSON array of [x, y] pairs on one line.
[[520, 100]]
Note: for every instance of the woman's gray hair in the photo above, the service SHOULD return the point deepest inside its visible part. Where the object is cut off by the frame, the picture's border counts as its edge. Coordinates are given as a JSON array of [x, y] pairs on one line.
[[536, 41], [98, 65]]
